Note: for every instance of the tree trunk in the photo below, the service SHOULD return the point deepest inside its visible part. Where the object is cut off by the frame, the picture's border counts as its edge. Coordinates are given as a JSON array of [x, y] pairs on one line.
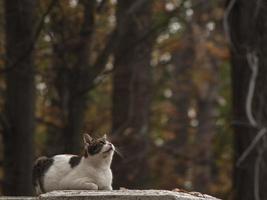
[[182, 99], [78, 81], [131, 94], [204, 158], [72, 67], [20, 97], [183, 89], [206, 85], [247, 24]]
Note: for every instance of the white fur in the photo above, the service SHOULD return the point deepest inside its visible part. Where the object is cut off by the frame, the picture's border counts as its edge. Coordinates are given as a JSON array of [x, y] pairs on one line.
[[92, 173]]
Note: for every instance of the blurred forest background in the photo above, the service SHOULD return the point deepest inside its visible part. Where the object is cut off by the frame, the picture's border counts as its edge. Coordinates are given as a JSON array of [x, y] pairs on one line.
[[178, 85]]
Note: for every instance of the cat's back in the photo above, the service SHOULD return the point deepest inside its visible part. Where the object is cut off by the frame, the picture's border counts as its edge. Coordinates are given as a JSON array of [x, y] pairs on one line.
[[62, 160], [61, 167], [47, 171]]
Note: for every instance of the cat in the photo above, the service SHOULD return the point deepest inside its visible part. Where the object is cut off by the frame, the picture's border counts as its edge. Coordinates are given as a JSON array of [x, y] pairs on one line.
[[71, 172]]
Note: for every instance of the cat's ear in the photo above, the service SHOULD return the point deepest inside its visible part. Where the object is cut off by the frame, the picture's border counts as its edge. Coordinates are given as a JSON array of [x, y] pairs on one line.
[[104, 137], [87, 138]]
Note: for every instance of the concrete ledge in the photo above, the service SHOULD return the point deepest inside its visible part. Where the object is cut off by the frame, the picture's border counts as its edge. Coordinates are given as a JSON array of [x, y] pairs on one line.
[[123, 195], [17, 198], [116, 195]]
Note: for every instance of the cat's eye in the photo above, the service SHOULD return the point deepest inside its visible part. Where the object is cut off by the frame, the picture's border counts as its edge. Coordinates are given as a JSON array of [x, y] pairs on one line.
[[102, 142], [93, 148]]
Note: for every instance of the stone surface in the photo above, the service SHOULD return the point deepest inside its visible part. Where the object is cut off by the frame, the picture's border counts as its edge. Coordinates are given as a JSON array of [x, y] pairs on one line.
[[123, 195], [18, 198], [116, 195]]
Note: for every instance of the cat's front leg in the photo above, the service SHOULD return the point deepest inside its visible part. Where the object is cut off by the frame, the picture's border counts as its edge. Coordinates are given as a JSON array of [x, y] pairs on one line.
[[90, 186], [79, 184]]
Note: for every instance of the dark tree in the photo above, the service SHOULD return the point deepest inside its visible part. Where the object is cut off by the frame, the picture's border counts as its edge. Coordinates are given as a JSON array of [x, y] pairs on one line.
[[182, 60], [206, 105], [75, 72], [20, 97], [182, 99], [71, 65], [132, 91], [248, 28]]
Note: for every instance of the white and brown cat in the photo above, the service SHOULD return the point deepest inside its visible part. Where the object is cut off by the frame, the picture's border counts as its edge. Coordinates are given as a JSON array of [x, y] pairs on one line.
[[71, 172]]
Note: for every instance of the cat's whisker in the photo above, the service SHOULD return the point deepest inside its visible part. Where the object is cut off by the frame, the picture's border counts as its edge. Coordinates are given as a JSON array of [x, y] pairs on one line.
[[118, 152]]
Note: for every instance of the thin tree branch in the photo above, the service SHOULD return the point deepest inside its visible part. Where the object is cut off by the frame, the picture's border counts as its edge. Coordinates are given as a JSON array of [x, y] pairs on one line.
[[42, 20], [226, 21], [102, 59], [99, 64], [252, 59], [252, 145], [257, 175], [242, 123]]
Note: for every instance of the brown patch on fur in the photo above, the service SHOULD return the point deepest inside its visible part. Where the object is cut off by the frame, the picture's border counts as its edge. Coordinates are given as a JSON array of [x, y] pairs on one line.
[[74, 161], [40, 167]]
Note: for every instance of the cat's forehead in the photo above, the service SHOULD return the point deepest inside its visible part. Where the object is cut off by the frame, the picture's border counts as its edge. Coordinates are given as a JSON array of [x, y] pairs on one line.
[[99, 140]]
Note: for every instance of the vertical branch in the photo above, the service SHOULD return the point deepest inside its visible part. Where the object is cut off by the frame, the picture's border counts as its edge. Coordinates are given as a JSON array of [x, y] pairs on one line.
[[257, 175], [253, 64], [248, 68], [131, 89], [226, 22], [252, 145]]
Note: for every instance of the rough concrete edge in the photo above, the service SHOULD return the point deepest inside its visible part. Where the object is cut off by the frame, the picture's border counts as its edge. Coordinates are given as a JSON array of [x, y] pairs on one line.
[[124, 193], [118, 193], [17, 198]]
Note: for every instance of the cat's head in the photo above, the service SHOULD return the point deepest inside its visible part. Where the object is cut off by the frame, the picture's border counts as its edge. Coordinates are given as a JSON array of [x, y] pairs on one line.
[[99, 147]]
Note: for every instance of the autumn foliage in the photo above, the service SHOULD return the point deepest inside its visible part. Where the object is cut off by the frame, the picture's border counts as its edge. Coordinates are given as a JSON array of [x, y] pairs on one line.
[[153, 75]]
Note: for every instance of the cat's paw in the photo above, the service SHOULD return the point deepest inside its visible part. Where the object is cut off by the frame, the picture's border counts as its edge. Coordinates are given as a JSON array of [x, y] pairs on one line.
[[90, 186]]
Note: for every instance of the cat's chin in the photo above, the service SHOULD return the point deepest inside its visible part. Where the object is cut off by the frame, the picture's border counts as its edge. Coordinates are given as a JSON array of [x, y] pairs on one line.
[[108, 151]]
